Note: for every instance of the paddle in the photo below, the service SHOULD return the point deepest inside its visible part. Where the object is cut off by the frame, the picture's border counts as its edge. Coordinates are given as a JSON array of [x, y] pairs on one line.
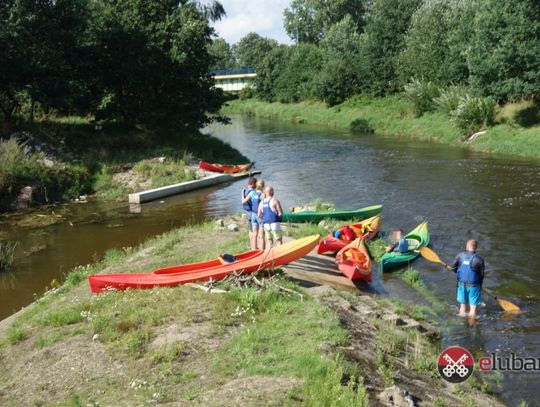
[[430, 255]]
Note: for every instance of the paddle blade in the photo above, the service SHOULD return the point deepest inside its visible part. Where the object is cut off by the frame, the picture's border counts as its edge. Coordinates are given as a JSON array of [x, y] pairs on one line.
[[430, 255], [508, 306]]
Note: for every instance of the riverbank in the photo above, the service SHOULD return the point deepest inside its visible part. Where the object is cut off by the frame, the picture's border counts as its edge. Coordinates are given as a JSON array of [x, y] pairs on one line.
[[394, 116], [59, 160], [246, 346]]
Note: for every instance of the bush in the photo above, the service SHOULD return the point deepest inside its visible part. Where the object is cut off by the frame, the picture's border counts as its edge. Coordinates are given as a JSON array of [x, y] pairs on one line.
[[247, 93], [422, 96], [473, 113], [52, 182], [449, 99], [361, 126]]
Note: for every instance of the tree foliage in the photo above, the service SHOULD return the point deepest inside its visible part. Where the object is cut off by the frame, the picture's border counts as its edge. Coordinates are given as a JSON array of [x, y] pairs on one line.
[[436, 43], [339, 77], [251, 50], [221, 55], [307, 20], [505, 49], [142, 62]]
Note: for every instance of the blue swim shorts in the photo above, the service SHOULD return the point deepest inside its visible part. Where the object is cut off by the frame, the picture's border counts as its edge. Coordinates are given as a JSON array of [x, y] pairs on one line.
[[255, 220], [469, 294]]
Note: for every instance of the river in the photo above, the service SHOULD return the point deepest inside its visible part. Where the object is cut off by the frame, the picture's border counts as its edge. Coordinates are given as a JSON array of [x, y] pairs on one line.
[[462, 194]]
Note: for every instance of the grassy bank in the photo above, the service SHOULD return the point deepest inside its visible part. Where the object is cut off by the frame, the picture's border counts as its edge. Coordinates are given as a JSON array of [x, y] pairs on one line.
[[110, 161], [394, 116], [247, 346]]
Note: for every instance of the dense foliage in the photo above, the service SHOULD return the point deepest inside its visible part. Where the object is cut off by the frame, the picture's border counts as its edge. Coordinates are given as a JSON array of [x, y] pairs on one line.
[[139, 62], [458, 57]]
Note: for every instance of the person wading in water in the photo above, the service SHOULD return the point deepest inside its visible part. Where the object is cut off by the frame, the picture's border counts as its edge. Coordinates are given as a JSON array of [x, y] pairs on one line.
[[469, 267]]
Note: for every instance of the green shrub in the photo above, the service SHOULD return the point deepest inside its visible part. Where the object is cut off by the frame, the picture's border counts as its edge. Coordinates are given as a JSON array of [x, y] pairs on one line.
[[422, 96], [473, 113], [361, 126], [247, 93], [449, 99]]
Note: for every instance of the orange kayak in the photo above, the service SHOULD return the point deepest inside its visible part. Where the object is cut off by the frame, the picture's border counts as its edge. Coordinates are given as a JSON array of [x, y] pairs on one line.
[[252, 255], [275, 257], [203, 165], [354, 261], [367, 229]]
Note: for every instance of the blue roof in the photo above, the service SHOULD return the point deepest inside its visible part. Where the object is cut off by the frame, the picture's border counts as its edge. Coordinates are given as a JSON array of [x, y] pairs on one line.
[[232, 71]]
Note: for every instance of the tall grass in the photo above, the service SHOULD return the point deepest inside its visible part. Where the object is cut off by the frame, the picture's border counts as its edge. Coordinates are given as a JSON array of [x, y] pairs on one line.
[[422, 95], [7, 252]]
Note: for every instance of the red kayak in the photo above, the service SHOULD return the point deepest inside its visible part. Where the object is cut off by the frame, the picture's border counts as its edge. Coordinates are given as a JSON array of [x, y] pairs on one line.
[[354, 261], [275, 257], [232, 169], [367, 229]]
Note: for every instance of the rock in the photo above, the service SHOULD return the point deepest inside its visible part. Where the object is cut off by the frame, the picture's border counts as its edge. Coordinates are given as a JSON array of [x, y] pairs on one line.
[[394, 396], [95, 337], [220, 223], [24, 199], [233, 227], [82, 197]]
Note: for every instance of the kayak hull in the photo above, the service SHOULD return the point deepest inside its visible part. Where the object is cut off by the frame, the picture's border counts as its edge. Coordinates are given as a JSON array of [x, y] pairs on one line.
[[418, 237], [354, 261], [317, 216], [333, 244], [231, 169], [275, 257]]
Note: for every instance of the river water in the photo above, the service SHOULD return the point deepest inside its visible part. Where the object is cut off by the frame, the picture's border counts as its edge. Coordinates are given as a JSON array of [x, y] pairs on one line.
[[462, 194]]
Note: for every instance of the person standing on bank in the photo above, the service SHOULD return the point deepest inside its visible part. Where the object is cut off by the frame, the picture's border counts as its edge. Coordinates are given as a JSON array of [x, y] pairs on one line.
[[469, 267], [246, 202], [257, 232], [270, 211]]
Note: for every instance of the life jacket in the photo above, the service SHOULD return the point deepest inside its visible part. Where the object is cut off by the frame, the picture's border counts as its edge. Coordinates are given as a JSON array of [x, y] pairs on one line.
[[402, 246], [465, 273], [247, 206], [255, 200], [269, 216], [347, 233]]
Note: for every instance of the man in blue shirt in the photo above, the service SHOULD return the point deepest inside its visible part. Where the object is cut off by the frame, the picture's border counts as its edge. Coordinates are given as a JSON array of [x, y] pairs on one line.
[[469, 267]]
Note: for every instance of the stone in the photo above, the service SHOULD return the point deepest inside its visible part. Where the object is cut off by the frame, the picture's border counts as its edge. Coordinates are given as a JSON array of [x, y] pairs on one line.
[[24, 198], [220, 223], [395, 396], [233, 227]]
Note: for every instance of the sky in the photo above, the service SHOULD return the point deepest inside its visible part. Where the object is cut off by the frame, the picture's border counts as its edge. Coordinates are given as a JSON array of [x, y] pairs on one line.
[[265, 17]]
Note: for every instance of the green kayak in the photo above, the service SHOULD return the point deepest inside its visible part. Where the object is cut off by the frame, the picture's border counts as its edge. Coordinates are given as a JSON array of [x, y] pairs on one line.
[[317, 216], [417, 238]]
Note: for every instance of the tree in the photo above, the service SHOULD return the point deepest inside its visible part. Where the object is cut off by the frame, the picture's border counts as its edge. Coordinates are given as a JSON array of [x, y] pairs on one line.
[[437, 42], [221, 54], [251, 50], [307, 20], [505, 49], [287, 74], [40, 51], [339, 77], [297, 75], [152, 62], [382, 42]]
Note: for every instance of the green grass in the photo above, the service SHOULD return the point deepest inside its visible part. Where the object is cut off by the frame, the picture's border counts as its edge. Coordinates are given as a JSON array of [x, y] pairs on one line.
[[516, 131], [413, 278], [284, 339]]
